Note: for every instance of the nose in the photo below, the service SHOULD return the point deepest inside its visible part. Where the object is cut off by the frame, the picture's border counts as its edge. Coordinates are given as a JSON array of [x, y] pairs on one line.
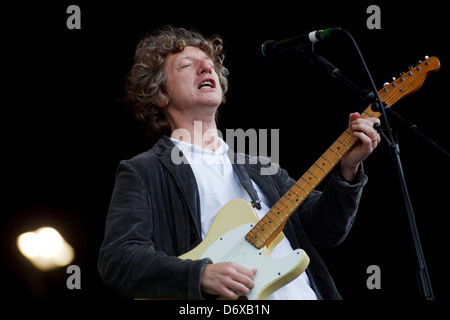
[[205, 67]]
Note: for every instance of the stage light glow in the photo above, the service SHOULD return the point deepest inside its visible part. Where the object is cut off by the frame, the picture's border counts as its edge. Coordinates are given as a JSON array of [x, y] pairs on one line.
[[45, 248]]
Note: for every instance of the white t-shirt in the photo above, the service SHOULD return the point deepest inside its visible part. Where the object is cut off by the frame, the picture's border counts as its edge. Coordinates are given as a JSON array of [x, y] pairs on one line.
[[218, 184]]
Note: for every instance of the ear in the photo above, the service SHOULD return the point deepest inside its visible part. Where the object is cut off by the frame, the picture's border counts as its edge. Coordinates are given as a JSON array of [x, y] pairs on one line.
[[163, 100]]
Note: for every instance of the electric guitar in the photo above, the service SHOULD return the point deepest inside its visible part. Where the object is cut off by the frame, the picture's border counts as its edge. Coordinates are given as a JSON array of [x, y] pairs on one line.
[[236, 234]]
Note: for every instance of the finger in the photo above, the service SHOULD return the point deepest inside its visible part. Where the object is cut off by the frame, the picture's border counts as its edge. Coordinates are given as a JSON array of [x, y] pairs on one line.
[[239, 279], [368, 143], [377, 140], [245, 279], [237, 287], [353, 117], [357, 118], [229, 294], [243, 270], [368, 121], [365, 140], [373, 121], [365, 126]]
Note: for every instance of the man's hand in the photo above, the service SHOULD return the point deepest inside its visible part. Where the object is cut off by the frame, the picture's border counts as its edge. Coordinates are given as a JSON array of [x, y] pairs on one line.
[[368, 141], [227, 279]]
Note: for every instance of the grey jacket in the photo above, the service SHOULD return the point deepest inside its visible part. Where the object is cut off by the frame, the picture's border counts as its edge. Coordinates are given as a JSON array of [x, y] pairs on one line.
[[154, 216]]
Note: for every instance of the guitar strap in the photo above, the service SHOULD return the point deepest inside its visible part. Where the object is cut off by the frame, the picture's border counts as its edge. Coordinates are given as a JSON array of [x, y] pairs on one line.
[[246, 182]]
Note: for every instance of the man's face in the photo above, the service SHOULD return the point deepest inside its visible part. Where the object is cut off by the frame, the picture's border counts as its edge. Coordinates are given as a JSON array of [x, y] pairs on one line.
[[192, 81]]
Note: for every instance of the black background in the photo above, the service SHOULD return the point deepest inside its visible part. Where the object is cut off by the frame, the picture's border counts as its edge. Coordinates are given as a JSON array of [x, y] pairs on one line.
[[64, 129]]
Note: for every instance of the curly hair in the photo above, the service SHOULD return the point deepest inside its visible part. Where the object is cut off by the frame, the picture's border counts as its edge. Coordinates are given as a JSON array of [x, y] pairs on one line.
[[146, 80]]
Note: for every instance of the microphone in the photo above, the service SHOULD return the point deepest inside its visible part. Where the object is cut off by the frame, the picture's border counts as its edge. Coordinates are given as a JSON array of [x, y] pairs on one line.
[[272, 48]]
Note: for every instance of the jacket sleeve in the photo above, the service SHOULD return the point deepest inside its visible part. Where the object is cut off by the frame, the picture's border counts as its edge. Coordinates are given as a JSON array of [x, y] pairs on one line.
[[128, 261], [328, 216]]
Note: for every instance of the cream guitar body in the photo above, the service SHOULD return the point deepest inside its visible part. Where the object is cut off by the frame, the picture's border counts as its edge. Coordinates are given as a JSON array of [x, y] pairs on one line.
[[225, 242]]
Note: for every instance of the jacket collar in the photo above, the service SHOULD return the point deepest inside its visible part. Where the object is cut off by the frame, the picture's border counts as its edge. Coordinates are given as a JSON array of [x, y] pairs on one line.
[[183, 175]]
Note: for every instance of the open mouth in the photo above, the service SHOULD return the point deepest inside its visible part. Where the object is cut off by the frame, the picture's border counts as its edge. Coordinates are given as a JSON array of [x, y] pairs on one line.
[[207, 84]]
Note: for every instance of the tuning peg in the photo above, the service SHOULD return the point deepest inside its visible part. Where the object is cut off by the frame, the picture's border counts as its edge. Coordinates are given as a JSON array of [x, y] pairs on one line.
[[418, 62], [427, 57], [377, 127], [385, 84]]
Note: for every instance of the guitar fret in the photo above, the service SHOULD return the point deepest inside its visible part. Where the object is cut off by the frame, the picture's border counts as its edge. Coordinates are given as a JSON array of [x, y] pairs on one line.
[[271, 217], [260, 243], [343, 144], [314, 175], [327, 160], [261, 231], [284, 204], [256, 233], [259, 237], [365, 111], [347, 141], [335, 152], [351, 134], [253, 239], [290, 200], [307, 193], [274, 220], [277, 214], [337, 148], [308, 182], [268, 224], [291, 191], [326, 172]]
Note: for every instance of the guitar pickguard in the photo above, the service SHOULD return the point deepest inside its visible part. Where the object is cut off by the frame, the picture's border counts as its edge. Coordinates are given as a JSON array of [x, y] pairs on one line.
[[272, 273]]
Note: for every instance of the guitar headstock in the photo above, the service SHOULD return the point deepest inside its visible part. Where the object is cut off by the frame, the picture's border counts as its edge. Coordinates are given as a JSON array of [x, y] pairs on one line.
[[409, 82]]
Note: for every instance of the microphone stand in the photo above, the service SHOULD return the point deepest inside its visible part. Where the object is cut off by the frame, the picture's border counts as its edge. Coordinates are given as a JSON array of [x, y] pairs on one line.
[[413, 128], [423, 278]]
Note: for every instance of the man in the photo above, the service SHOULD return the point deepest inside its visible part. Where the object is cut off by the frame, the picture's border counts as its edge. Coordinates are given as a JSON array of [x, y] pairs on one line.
[[161, 208]]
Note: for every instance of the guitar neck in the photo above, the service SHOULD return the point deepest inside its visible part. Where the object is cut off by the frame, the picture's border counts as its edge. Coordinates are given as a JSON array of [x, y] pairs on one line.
[[270, 226]]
